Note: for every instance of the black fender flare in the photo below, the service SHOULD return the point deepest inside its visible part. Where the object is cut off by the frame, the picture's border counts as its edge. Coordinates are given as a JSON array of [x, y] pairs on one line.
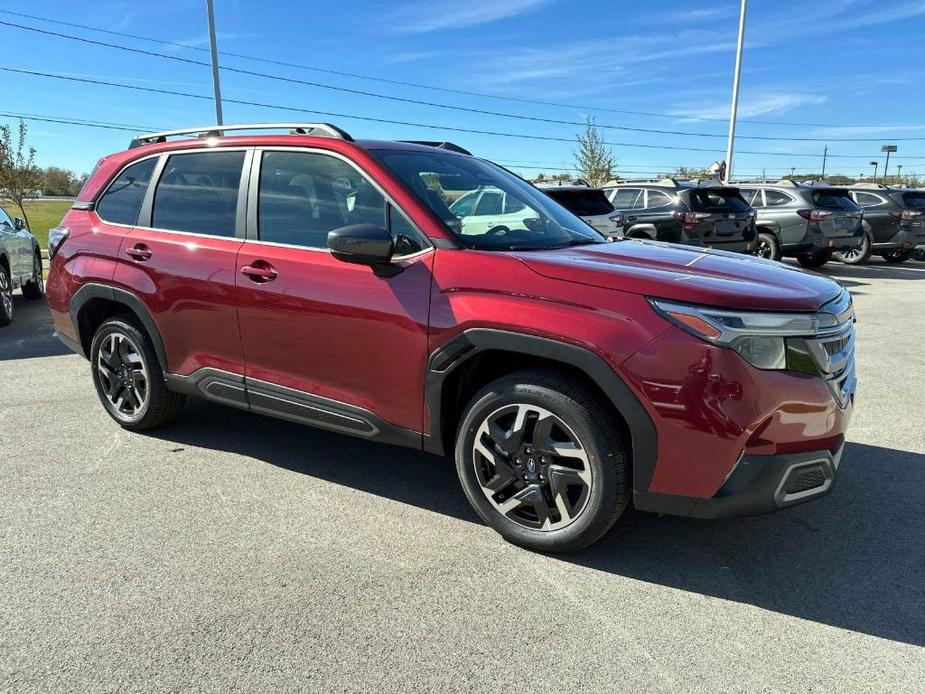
[[93, 290], [458, 350]]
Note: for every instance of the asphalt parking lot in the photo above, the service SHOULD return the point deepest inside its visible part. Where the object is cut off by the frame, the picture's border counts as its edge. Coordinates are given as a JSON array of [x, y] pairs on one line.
[[231, 552]]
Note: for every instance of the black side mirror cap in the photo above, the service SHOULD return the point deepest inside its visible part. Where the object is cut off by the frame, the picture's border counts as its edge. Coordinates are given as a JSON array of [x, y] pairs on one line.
[[364, 244], [19, 224]]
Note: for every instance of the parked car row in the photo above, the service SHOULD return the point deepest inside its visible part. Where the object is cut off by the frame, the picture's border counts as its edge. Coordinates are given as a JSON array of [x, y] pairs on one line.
[[812, 222]]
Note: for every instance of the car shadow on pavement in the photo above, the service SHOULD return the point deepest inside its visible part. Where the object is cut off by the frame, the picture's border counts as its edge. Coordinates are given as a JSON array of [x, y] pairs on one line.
[[876, 268], [852, 560], [31, 334]]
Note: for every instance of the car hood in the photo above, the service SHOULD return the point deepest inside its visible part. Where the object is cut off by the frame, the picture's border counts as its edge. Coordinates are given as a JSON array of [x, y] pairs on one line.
[[686, 273]]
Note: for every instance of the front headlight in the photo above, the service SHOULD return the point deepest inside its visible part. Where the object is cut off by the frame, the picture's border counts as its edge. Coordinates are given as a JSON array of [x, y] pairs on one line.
[[759, 337]]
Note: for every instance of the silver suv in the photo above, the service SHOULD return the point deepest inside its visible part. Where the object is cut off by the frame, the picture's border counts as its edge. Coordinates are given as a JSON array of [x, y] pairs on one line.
[[20, 264], [807, 221]]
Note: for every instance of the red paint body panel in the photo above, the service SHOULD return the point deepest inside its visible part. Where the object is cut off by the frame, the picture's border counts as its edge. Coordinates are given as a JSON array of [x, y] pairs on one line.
[[188, 286], [337, 330], [709, 405]]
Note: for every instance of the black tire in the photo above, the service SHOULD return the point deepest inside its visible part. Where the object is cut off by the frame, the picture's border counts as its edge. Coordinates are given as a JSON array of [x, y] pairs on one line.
[[767, 246], [6, 297], [897, 256], [35, 288], [586, 421], [856, 256], [158, 405], [919, 253], [814, 259]]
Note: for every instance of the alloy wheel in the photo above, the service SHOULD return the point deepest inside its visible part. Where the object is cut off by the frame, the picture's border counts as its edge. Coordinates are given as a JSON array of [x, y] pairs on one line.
[[764, 250], [851, 255], [123, 376], [39, 273], [6, 293], [532, 467]]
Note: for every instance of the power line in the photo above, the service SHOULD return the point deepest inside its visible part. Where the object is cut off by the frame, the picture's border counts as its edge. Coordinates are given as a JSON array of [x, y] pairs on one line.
[[418, 85], [433, 104], [447, 128]]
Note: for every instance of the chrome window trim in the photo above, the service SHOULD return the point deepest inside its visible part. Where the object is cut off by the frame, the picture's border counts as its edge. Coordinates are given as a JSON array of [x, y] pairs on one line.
[[252, 232]]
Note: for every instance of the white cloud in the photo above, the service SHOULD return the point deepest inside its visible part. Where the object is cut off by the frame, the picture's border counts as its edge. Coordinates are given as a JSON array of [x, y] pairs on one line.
[[751, 105], [428, 15]]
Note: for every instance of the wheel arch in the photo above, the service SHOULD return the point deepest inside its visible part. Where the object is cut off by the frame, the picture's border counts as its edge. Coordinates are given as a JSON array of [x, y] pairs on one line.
[[93, 303], [643, 231], [474, 358]]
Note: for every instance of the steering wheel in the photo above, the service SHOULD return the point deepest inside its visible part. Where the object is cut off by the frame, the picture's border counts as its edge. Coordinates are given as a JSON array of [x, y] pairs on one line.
[[499, 230]]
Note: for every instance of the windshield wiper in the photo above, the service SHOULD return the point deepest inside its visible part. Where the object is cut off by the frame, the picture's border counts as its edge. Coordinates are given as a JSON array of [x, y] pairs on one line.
[[574, 242]]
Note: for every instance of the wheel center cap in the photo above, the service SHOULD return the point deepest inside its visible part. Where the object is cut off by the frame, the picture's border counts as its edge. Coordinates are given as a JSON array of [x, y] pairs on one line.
[[531, 466]]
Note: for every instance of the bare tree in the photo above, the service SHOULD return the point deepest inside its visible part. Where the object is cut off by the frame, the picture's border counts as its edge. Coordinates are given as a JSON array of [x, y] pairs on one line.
[[594, 160], [20, 178]]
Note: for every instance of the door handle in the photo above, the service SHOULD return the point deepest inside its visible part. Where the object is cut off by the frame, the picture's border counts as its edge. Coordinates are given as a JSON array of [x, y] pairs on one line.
[[139, 252], [260, 273]]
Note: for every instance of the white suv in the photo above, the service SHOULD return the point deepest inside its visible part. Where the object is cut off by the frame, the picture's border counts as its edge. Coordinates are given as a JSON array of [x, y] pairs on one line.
[[591, 204]]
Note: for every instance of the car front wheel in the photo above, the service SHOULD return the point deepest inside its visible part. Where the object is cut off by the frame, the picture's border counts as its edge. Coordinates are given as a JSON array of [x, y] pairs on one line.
[[542, 461], [128, 376], [6, 297], [767, 246]]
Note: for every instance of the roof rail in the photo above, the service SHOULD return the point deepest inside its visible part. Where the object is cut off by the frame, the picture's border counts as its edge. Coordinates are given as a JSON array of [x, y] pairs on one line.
[[664, 180], [442, 145], [323, 130]]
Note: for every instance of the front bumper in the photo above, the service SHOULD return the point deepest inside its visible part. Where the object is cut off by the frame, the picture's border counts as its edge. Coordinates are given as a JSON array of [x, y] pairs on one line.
[[758, 484]]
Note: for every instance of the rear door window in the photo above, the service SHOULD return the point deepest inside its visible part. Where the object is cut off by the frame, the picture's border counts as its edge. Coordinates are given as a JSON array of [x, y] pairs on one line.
[[198, 193], [121, 202], [625, 198], [489, 203], [585, 203], [753, 197], [717, 200], [834, 200]]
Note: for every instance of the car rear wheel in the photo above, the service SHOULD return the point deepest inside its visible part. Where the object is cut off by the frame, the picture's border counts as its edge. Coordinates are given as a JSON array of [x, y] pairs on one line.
[[128, 377], [35, 288], [6, 297], [542, 461], [855, 256], [767, 246], [897, 256], [814, 259]]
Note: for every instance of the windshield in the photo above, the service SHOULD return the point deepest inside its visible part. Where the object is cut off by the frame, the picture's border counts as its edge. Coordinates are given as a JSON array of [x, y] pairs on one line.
[[483, 205], [586, 203]]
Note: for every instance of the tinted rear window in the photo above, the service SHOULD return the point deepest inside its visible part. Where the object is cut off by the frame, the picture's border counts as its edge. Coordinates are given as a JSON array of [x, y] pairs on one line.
[[582, 202], [834, 200], [916, 200], [122, 201], [717, 200]]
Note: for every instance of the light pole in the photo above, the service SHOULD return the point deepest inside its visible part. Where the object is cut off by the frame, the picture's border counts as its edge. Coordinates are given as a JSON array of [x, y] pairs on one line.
[[899, 169], [874, 164], [216, 83], [734, 107]]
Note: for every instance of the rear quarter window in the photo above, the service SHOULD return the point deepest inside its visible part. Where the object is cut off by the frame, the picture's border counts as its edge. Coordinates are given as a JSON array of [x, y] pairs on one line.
[[122, 200], [914, 200]]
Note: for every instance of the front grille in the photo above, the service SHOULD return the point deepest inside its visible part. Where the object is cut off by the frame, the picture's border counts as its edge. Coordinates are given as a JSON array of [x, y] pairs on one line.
[[804, 479], [833, 347], [833, 351]]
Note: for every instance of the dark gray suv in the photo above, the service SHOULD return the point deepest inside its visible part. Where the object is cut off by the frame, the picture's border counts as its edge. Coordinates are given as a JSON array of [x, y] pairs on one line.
[[894, 223], [807, 221]]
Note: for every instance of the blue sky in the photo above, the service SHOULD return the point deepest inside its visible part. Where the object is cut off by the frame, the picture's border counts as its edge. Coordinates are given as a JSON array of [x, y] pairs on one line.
[[841, 68]]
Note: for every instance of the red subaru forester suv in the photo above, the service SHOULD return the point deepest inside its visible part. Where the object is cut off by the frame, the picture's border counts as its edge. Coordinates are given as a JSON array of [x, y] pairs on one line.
[[324, 280]]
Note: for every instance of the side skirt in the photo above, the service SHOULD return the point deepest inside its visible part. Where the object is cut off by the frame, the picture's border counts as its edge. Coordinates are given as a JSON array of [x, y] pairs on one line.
[[292, 405]]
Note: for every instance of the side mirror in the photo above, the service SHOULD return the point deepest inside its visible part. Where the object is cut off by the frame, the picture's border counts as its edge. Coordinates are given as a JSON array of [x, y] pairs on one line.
[[19, 224], [364, 244]]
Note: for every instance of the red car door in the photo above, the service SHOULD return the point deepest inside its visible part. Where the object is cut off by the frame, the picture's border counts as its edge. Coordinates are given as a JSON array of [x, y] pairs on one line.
[[327, 342], [181, 258]]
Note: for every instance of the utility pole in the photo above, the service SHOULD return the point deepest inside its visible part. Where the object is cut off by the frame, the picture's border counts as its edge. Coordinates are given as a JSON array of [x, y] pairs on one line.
[[825, 153], [216, 82], [734, 107]]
